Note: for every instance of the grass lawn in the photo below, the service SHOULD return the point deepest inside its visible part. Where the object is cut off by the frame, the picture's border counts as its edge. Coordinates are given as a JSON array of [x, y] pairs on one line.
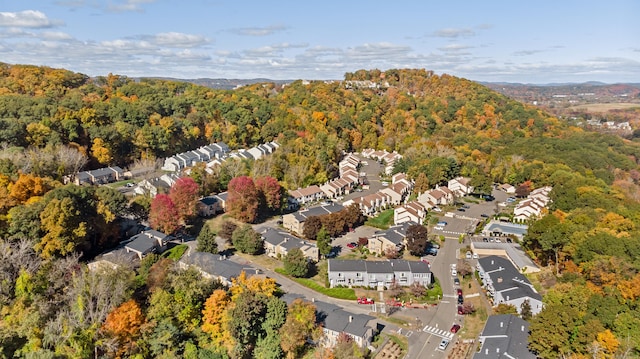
[[383, 220], [176, 252]]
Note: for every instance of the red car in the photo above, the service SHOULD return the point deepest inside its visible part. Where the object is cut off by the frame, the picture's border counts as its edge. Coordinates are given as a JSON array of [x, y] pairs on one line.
[[352, 245], [364, 300], [460, 310], [459, 291], [455, 328]]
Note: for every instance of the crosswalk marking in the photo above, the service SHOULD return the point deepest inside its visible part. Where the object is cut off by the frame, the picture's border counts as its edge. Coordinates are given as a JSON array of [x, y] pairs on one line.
[[438, 332]]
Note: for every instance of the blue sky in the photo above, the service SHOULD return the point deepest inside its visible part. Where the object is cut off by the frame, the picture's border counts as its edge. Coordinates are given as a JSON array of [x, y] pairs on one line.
[[512, 41]]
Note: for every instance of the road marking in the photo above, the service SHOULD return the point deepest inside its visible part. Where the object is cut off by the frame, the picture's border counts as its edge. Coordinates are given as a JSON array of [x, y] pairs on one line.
[[438, 332], [445, 301], [409, 333]]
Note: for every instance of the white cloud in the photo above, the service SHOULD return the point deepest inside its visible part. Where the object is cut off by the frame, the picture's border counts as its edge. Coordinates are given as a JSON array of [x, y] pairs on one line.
[[454, 33], [179, 40], [454, 48], [258, 31], [527, 52], [27, 18], [129, 5]]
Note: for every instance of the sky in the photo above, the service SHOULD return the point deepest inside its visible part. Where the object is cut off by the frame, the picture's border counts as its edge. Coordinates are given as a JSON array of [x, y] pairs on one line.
[[537, 42]]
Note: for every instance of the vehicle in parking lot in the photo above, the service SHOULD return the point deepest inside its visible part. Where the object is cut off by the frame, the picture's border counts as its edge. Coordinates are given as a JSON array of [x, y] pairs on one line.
[[485, 239], [460, 299], [454, 272], [460, 310], [443, 344], [352, 245], [468, 255], [475, 255], [462, 209], [432, 251], [454, 328], [441, 223], [436, 209], [466, 206], [459, 291], [509, 240], [484, 215], [365, 300], [456, 281]]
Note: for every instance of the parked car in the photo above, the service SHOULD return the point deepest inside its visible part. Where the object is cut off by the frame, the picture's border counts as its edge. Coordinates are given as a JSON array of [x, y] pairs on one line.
[[455, 328], [432, 251], [475, 256], [468, 255], [456, 281], [365, 300], [484, 215], [352, 245], [441, 223], [436, 209], [462, 209], [460, 299], [459, 291], [485, 239], [466, 206], [460, 310], [443, 344], [454, 272], [509, 240]]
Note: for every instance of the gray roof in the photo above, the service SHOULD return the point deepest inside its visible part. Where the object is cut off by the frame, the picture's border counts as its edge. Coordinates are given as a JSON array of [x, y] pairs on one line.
[[322, 210], [208, 200], [507, 228], [504, 336], [335, 318], [275, 237], [223, 196], [513, 250], [83, 176], [101, 172], [142, 243], [507, 279], [387, 266], [341, 265], [216, 265]]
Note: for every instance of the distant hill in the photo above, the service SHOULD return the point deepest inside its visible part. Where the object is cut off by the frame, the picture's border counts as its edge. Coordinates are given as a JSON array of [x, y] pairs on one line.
[[222, 84]]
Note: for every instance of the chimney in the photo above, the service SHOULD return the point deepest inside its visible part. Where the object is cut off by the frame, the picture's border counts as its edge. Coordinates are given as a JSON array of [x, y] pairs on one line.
[[350, 318], [501, 324]]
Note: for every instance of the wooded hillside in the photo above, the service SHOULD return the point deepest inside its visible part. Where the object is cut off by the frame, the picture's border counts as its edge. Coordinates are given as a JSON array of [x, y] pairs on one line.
[[54, 121]]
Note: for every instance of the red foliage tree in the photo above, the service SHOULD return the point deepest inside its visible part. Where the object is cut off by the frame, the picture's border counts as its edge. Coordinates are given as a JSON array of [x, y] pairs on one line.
[[270, 192], [184, 194], [242, 202], [163, 215]]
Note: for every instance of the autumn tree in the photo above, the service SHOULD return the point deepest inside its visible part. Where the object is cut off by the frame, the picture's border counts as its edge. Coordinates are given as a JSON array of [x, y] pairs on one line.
[[243, 199], [214, 317], [247, 240], [245, 323], [124, 323], [164, 215], [300, 323], [312, 226], [422, 183], [63, 227], [28, 186], [226, 230], [295, 263], [270, 192], [417, 238], [184, 195]]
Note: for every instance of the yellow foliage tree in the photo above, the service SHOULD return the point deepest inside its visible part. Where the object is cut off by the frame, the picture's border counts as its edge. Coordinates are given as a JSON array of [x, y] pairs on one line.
[[266, 286], [609, 342], [124, 323], [28, 186], [100, 151], [214, 317]]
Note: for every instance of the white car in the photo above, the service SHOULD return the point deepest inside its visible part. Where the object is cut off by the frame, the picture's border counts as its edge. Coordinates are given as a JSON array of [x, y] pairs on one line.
[[436, 209], [454, 272], [443, 344]]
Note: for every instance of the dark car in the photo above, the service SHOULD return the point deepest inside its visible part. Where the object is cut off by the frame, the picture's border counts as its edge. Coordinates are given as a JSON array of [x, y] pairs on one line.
[[455, 328], [509, 240], [484, 215], [460, 299], [456, 281], [466, 206], [462, 209], [485, 239]]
